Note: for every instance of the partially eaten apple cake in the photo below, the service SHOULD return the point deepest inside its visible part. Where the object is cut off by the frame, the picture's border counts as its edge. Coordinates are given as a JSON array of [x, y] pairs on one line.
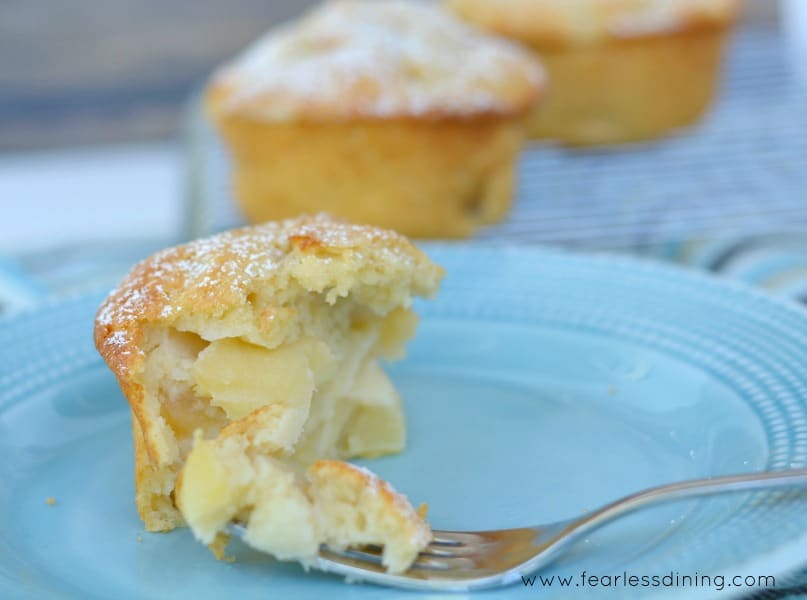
[[250, 361]]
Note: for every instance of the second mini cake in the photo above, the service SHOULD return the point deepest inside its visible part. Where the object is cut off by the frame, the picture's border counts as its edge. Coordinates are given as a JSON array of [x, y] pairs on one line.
[[619, 70], [389, 113]]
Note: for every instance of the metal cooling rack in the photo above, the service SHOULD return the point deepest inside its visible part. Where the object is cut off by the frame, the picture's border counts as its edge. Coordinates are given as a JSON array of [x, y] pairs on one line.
[[741, 172]]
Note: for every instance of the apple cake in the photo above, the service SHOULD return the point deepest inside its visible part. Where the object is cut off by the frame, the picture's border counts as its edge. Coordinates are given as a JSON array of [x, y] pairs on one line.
[[619, 70], [387, 112], [256, 354]]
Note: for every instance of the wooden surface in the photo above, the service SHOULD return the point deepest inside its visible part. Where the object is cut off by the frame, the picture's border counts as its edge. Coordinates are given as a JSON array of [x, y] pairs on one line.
[[96, 71]]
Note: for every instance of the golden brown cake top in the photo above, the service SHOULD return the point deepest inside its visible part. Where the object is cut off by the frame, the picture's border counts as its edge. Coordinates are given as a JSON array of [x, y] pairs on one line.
[[546, 23], [216, 280], [377, 59]]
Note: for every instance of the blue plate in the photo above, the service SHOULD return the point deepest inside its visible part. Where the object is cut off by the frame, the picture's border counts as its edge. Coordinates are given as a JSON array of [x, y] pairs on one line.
[[539, 386]]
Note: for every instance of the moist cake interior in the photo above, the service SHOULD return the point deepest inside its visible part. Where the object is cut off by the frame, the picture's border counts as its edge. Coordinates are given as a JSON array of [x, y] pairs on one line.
[[329, 395]]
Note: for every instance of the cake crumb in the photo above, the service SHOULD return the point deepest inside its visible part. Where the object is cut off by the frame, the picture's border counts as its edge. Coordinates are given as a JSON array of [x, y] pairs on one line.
[[612, 391], [139, 538], [50, 501], [423, 510], [219, 547]]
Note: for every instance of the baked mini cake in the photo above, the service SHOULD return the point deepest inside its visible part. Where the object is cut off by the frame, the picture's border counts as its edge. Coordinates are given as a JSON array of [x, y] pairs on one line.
[[258, 350], [387, 112], [619, 70]]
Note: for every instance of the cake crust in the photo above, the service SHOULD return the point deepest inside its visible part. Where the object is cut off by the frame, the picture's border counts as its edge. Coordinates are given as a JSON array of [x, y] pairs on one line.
[[359, 59], [545, 24], [464, 171]]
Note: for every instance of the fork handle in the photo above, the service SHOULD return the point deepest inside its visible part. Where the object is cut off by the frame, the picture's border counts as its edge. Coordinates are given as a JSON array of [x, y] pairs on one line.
[[684, 490]]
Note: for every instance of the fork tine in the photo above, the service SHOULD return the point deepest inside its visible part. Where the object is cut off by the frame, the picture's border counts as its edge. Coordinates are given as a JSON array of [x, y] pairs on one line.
[[370, 558], [447, 538], [455, 544], [353, 557], [442, 551], [362, 553], [444, 557], [438, 563], [447, 550], [445, 544]]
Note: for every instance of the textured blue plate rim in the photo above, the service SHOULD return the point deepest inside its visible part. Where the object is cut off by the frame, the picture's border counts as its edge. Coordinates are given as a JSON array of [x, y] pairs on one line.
[[780, 561]]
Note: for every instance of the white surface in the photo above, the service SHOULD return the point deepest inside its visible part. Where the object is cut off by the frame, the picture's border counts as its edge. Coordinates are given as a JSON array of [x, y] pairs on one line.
[[62, 197]]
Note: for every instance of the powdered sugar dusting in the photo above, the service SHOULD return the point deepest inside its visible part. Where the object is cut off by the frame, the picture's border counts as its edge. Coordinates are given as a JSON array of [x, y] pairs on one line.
[[215, 274], [380, 58]]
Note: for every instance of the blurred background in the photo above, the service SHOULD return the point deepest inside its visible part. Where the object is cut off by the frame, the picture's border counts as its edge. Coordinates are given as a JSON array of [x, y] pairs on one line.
[[89, 72], [104, 156]]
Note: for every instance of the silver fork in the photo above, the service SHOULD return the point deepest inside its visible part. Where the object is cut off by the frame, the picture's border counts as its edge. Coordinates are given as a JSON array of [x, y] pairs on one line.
[[459, 561]]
